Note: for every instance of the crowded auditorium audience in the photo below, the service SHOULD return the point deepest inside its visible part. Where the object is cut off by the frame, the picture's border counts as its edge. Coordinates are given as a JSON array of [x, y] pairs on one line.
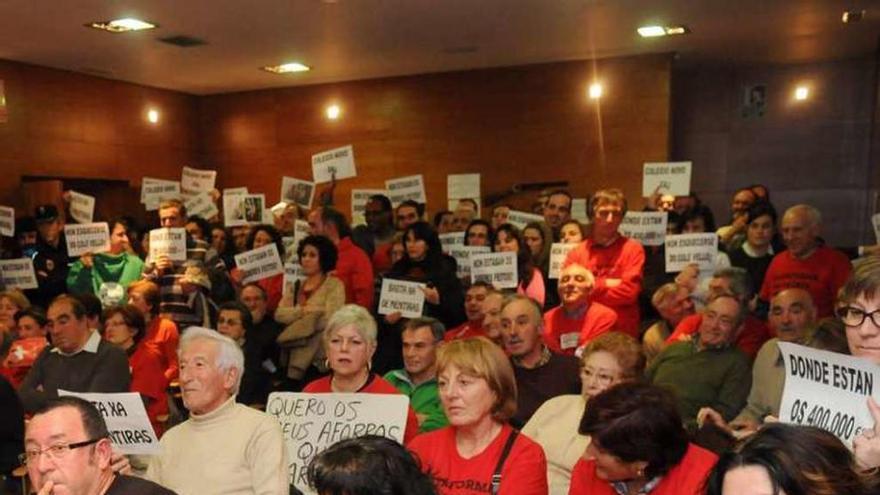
[[612, 367]]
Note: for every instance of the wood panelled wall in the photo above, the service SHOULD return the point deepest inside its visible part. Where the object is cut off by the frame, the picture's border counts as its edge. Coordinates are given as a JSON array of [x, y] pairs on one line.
[[513, 125], [73, 126]]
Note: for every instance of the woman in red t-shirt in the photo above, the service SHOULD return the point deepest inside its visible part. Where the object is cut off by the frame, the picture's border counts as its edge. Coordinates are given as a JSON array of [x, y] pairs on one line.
[[638, 445], [478, 392]]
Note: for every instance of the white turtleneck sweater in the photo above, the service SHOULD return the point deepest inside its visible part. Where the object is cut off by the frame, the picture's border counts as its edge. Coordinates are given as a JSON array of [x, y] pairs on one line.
[[233, 450]]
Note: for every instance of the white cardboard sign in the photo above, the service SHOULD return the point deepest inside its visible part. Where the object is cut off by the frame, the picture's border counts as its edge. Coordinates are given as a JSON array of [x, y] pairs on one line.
[[520, 219], [666, 178], [405, 188], [18, 273], [297, 191], [685, 249], [459, 186], [359, 199], [127, 421], [195, 180], [259, 263], [87, 238], [168, 242], [339, 161], [292, 273], [202, 205], [153, 191], [232, 191], [498, 269], [291, 243], [243, 209], [7, 221], [827, 390], [82, 207], [558, 253], [450, 240], [312, 422], [646, 227], [401, 296], [462, 255]]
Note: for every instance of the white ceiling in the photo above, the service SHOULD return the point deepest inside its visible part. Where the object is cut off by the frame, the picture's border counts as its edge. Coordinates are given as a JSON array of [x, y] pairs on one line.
[[347, 40]]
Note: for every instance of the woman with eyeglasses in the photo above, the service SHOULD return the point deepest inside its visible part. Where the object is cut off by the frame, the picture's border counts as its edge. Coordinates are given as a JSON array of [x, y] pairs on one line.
[[610, 359]]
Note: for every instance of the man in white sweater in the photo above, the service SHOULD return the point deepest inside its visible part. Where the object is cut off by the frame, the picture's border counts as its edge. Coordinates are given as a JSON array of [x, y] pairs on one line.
[[224, 448]]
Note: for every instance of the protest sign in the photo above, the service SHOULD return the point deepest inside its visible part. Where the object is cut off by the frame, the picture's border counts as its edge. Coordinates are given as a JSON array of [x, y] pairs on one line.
[[201, 205], [685, 249], [875, 221], [259, 263], [195, 180], [827, 390], [498, 269], [130, 430], [579, 210], [291, 243], [520, 219], [168, 242], [450, 239], [7, 221], [82, 207], [666, 178], [232, 191], [312, 422], [406, 188], [646, 227], [155, 190], [462, 255], [243, 209], [292, 273], [359, 198], [460, 186], [87, 238], [400, 296], [297, 191], [558, 253], [338, 163], [18, 273]]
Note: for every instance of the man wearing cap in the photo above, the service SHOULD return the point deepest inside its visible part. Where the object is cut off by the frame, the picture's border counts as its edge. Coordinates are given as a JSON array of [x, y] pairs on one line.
[[50, 257]]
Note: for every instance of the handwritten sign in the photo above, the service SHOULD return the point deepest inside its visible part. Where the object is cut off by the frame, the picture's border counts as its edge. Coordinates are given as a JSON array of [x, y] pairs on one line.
[[312, 422], [338, 162], [875, 221], [460, 186], [297, 191], [154, 191], [87, 238], [462, 255], [684, 249], [243, 209], [168, 242], [827, 390], [18, 273], [406, 188], [232, 191], [127, 421], [498, 269], [82, 207], [666, 178], [7, 221], [646, 227], [359, 199], [520, 219], [259, 263], [202, 205], [451, 239], [400, 296], [292, 273], [195, 180], [558, 253]]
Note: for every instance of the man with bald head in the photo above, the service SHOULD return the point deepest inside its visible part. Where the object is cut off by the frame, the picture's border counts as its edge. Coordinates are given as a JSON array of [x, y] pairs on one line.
[[792, 316], [806, 263], [569, 327]]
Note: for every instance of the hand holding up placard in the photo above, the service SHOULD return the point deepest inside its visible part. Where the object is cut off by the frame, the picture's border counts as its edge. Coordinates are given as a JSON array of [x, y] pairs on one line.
[[866, 445]]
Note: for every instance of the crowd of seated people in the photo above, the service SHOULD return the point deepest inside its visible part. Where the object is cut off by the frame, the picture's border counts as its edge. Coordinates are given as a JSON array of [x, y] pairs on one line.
[[601, 373]]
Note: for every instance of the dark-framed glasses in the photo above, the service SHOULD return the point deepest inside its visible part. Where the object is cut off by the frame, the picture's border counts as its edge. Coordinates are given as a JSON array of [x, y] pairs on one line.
[[54, 452], [854, 317]]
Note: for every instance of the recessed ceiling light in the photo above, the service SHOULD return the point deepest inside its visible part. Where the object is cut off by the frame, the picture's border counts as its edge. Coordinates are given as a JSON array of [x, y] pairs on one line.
[[122, 25], [657, 31], [153, 116], [595, 91], [333, 112], [287, 68], [852, 16], [801, 93]]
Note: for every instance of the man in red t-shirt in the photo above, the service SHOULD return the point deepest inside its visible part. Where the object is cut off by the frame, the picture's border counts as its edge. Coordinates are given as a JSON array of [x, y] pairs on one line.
[[577, 321], [806, 263], [353, 266], [473, 308]]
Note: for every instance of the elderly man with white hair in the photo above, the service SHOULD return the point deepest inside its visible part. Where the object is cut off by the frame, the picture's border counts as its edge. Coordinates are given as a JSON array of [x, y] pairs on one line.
[[806, 263], [224, 447]]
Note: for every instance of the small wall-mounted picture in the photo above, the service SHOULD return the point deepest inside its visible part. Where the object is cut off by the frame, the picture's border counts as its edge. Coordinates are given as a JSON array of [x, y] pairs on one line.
[[754, 100]]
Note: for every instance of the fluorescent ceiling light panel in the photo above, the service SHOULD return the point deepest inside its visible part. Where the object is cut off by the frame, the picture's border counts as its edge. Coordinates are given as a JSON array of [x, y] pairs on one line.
[[122, 25], [288, 68], [651, 31]]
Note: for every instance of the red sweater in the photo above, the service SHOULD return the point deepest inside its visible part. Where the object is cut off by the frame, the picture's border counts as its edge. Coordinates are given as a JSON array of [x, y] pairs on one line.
[[375, 385], [524, 471], [753, 335], [564, 335], [466, 330], [622, 260], [821, 274], [162, 339], [686, 478], [355, 270], [148, 379]]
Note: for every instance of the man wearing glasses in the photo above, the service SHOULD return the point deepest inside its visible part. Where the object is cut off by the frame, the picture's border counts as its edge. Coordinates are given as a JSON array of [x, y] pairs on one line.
[[615, 261], [68, 451]]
